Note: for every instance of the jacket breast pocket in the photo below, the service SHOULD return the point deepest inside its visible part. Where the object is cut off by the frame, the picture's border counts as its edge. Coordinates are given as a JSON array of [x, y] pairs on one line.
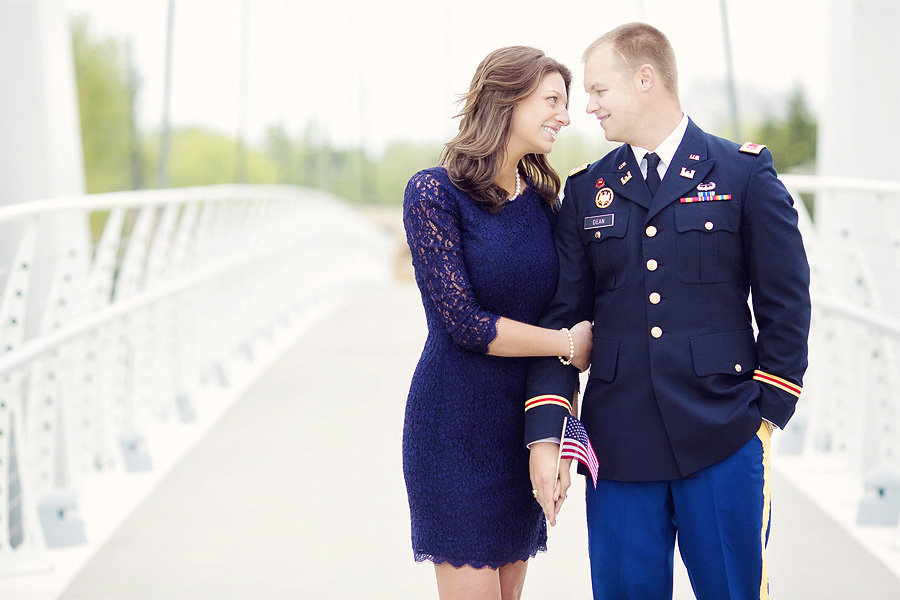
[[724, 353], [706, 244], [604, 357], [606, 248]]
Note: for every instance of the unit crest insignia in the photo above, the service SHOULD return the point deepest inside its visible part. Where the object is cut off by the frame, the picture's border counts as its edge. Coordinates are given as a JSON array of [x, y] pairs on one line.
[[604, 198]]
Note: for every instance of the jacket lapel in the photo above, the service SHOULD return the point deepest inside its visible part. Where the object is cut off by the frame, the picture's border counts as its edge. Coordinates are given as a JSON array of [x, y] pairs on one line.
[[626, 181], [689, 167]]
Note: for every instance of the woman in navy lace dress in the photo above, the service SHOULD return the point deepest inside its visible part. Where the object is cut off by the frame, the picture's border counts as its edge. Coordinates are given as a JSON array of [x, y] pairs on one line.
[[480, 230]]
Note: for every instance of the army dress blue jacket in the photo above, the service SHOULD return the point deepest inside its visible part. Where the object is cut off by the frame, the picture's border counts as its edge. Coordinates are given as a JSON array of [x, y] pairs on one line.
[[678, 381]]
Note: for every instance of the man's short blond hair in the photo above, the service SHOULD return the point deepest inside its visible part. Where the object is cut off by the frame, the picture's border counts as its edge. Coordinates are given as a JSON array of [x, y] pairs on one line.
[[638, 44]]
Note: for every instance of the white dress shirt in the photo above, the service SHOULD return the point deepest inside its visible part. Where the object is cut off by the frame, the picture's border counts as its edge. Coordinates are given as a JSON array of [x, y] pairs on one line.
[[665, 151]]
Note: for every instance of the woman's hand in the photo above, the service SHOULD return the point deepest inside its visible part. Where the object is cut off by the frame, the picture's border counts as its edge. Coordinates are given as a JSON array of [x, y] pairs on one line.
[[583, 336], [550, 488]]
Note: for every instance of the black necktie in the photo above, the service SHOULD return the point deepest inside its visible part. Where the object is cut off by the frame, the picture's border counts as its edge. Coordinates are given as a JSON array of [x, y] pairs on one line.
[[652, 173]]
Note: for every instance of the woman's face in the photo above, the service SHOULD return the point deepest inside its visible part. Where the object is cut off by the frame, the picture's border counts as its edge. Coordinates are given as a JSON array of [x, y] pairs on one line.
[[537, 119]]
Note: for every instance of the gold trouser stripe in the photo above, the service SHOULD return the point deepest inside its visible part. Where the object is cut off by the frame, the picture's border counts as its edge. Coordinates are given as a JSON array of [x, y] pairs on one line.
[[766, 438]]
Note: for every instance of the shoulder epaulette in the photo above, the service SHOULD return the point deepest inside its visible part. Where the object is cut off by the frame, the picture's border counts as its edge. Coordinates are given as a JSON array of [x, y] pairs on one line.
[[751, 148], [579, 169]]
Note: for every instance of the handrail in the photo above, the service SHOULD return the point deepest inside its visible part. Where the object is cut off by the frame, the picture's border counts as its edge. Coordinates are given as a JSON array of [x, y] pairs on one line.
[[183, 284], [860, 314], [149, 198], [815, 183]]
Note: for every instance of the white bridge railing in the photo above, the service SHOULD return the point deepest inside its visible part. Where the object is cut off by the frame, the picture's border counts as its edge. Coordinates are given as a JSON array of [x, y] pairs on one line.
[[115, 354], [845, 436]]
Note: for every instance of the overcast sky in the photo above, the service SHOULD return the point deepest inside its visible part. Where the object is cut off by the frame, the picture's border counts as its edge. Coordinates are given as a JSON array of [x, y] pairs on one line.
[[375, 71]]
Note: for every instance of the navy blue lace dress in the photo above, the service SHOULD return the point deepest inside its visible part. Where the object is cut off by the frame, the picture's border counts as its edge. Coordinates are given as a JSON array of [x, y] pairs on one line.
[[464, 460]]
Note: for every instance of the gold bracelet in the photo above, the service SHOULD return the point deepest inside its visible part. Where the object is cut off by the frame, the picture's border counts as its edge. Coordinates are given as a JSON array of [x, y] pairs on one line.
[[571, 348]]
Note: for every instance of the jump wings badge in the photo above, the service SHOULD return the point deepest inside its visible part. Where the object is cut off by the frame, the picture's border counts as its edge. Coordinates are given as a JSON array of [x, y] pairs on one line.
[[604, 198]]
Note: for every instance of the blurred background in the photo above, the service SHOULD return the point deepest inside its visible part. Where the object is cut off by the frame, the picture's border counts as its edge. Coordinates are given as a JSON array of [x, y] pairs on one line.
[[208, 319], [354, 96]]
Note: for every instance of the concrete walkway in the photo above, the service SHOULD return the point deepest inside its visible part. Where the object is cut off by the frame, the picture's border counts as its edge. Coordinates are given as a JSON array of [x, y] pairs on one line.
[[298, 493]]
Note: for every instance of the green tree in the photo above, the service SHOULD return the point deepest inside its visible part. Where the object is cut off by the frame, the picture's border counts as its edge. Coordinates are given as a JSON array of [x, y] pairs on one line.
[[305, 160], [279, 147], [399, 161], [104, 98], [202, 157], [571, 150], [791, 139]]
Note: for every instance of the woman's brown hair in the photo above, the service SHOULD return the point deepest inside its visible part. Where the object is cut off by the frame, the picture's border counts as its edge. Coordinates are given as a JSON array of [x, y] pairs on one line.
[[473, 158]]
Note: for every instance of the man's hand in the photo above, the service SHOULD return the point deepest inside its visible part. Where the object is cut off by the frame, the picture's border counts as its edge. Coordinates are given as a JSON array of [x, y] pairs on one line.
[[551, 490], [583, 336]]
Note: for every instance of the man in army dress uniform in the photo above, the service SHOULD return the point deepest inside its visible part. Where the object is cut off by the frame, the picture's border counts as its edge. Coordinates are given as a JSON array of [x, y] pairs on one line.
[[661, 242]]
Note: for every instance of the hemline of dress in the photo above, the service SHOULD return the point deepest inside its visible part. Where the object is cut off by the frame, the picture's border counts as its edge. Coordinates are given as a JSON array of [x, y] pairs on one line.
[[457, 563]]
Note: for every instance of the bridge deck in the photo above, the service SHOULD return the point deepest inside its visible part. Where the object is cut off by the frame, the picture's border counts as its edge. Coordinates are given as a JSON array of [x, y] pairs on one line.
[[298, 493]]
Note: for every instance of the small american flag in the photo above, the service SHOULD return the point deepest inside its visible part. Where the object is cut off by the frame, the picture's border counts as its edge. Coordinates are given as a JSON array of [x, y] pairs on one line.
[[575, 444]]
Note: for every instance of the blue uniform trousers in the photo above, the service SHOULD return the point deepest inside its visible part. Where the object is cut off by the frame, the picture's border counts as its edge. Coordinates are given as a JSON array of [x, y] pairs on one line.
[[720, 516]]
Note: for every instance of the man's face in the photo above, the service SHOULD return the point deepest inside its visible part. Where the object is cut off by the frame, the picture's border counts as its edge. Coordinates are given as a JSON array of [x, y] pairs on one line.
[[615, 94]]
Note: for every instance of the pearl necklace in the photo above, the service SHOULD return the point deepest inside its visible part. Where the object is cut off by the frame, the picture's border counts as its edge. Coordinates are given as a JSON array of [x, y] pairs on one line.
[[518, 187]]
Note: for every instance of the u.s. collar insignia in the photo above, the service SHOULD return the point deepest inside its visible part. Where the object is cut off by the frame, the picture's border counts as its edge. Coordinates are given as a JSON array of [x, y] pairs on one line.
[[694, 157], [622, 166], [604, 198], [600, 183], [706, 187], [626, 178], [687, 173]]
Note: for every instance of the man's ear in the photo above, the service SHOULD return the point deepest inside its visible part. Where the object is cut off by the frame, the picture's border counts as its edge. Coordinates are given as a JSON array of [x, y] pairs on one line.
[[647, 77]]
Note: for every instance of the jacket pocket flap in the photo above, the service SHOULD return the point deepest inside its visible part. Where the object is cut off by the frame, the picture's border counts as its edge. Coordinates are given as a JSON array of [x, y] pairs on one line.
[[732, 352], [607, 224], [604, 358], [707, 216]]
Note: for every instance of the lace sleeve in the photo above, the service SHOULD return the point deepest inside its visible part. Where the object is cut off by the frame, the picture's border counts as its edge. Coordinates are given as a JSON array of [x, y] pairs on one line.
[[432, 231]]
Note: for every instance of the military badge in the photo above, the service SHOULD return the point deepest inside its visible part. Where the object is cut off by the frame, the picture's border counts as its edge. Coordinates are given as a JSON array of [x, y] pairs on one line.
[[604, 198], [597, 221], [687, 173], [751, 148], [578, 169], [695, 157], [600, 183], [626, 178], [705, 197], [706, 187], [622, 166]]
